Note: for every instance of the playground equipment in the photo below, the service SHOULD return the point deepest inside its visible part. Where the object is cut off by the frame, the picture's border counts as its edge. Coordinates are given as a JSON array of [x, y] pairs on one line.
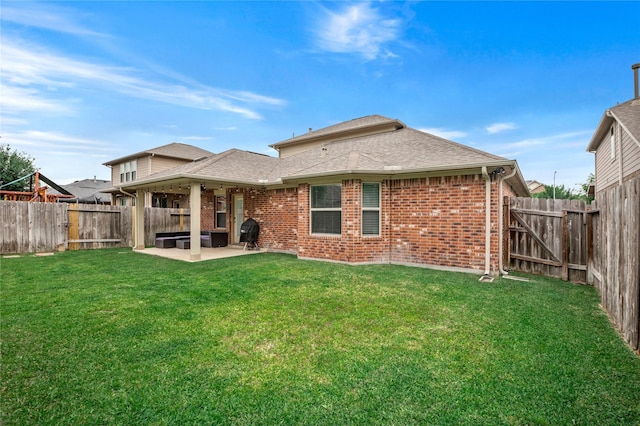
[[36, 193]]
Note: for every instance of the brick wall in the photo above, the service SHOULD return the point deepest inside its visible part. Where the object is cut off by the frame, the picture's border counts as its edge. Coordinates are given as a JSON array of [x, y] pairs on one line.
[[436, 221], [275, 210], [207, 211], [441, 221]]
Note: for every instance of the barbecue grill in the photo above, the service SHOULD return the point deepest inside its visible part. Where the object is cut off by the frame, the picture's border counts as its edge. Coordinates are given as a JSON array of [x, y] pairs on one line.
[[249, 231]]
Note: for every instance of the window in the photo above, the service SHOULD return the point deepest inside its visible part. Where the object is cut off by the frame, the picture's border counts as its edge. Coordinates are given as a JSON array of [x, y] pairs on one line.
[[221, 212], [160, 201], [326, 209], [128, 171], [613, 143], [370, 209], [134, 166]]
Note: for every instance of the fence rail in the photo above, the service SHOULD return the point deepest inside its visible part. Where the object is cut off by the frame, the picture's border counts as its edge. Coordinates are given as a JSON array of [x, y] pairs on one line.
[[44, 227]]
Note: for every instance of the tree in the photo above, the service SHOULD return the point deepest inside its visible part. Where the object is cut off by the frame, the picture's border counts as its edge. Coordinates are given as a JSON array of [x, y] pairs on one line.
[[13, 166], [584, 188], [561, 193]]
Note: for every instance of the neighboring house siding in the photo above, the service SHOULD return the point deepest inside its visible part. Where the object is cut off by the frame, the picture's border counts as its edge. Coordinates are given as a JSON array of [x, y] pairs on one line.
[[630, 157], [160, 164], [607, 169], [626, 161], [142, 167]]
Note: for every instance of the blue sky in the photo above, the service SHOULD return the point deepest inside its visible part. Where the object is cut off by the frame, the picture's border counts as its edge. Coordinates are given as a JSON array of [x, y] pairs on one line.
[[87, 82]]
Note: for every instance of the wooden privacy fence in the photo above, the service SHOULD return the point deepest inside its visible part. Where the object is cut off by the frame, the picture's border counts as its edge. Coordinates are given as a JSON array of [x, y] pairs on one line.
[[43, 227], [548, 237], [615, 259]]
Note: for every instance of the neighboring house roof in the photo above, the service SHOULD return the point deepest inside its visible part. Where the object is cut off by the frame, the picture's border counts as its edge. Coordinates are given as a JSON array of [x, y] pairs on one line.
[[400, 152], [627, 114], [88, 190], [174, 150], [535, 186]]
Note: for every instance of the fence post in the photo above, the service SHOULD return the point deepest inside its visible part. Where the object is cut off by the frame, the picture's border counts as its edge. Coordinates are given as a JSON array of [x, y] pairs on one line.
[[74, 219], [565, 246], [590, 248]]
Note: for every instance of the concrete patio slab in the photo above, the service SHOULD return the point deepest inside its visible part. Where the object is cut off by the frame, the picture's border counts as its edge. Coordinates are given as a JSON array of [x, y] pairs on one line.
[[206, 253]]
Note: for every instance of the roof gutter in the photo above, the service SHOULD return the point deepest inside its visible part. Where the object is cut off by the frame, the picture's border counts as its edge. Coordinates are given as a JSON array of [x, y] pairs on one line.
[[393, 170], [195, 178]]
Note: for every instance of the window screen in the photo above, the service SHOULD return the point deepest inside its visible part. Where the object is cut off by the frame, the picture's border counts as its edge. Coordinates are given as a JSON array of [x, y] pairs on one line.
[[326, 209], [370, 209]]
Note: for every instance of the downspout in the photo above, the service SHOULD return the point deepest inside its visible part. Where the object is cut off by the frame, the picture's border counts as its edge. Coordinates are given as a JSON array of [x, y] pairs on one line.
[[487, 234], [500, 221], [126, 193]]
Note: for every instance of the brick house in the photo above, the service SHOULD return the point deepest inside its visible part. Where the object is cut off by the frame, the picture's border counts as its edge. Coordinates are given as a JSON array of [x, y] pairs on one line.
[[616, 142], [369, 190]]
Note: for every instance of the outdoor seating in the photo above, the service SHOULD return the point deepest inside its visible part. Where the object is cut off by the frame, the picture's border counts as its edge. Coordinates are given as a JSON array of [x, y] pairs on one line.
[[182, 239], [169, 239]]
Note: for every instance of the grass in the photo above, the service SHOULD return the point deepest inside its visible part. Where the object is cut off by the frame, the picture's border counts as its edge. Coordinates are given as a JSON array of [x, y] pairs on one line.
[[115, 337]]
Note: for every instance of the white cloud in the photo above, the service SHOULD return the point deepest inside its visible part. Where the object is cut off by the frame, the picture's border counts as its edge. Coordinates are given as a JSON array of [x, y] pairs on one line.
[[500, 127], [561, 139], [32, 72], [443, 133], [48, 17], [359, 29], [18, 99], [35, 139]]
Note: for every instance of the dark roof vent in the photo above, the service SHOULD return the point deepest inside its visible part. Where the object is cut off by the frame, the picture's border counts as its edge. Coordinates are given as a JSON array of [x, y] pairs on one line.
[[636, 93]]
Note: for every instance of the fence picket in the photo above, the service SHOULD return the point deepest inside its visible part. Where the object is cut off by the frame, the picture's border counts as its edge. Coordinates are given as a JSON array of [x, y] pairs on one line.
[[43, 227]]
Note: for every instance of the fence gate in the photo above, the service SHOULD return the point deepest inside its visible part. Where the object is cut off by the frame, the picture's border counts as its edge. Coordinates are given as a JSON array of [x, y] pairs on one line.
[[548, 237], [97, 226]]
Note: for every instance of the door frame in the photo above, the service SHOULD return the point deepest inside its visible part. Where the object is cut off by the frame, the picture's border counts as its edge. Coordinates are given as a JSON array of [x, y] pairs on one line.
[[236, 221]]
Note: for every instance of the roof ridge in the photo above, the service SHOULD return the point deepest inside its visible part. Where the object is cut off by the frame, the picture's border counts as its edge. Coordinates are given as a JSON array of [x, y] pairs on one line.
[[340, 127], [467, 147], [207, 161]]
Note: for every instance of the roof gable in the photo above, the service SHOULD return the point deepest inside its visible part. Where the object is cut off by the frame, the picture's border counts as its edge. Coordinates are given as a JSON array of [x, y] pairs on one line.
[[367, 125], [627, 114], [174, 150], [405, 149]]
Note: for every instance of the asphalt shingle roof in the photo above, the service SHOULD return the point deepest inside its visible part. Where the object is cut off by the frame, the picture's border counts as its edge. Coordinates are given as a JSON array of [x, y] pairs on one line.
[[175, 150], [356, 123], [629, 115]]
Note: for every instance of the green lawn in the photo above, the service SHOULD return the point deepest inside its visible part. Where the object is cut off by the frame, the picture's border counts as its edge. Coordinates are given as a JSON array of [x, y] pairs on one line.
[[115, 337]]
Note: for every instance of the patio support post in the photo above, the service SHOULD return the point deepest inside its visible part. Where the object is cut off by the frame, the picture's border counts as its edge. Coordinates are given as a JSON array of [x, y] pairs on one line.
[[195, 203], [138, 243]]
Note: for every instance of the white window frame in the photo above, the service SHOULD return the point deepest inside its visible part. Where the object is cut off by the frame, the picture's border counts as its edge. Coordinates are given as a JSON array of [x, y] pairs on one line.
[[223, 200], [134, 169], [613, 142], [370, 209], [312, 210], [128, 171]]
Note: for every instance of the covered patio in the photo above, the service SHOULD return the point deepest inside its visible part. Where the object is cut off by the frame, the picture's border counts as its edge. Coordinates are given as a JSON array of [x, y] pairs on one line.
[[206, 253]]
